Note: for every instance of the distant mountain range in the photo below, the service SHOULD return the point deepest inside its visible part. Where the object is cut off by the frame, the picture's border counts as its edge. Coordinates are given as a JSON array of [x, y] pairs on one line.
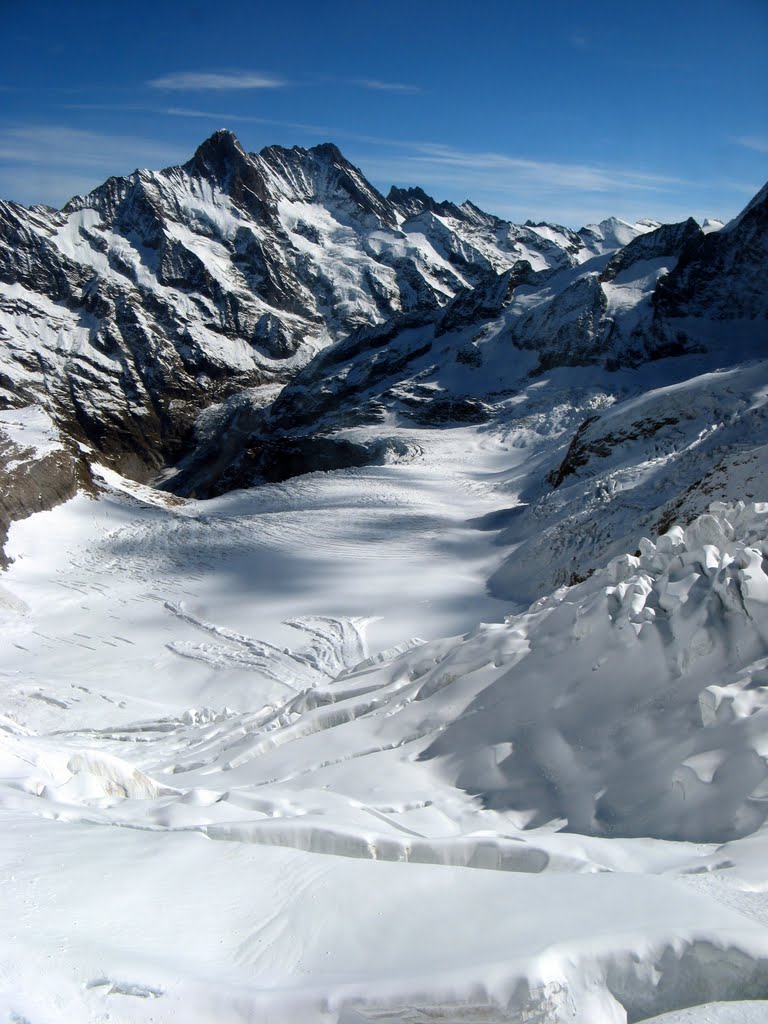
[[233, 319]]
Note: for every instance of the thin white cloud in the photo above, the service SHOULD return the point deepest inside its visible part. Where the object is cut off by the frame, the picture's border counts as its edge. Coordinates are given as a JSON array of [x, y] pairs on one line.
[[379, 86], [520, 188], [217, 81], [51, 163], [743, 188], [541, 173], [35, 185], [513, 173], [224, 118], [57, 145], [757, 142]]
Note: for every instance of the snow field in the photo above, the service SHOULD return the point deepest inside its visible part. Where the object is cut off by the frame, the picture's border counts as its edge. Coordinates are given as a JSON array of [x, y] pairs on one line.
[[222, 802]]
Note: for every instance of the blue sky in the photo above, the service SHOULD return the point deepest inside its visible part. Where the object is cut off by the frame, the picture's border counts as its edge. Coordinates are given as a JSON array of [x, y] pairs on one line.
[[561, 111]]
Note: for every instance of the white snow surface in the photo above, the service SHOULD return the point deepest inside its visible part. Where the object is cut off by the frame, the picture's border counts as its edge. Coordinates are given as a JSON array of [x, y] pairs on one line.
[[30, 429], [279, 757], [613, 233], [737, 1012]]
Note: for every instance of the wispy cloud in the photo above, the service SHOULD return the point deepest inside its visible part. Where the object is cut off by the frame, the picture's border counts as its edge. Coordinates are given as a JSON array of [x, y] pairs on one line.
[[226, 118], [542, 173], [520, 187], [33, 186], [216, 81], [439, 162], [742, 188], [51, 163], [757, 142], [578, 40], [378, 85], [54, 144]]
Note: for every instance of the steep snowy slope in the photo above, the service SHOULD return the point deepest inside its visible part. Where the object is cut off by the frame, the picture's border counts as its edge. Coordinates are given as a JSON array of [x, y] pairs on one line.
[[723, 274], [666, 451], [467, 230]]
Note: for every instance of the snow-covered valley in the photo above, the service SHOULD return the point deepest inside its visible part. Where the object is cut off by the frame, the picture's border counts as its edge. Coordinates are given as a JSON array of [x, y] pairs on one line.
[[418, 671], [213, 816]]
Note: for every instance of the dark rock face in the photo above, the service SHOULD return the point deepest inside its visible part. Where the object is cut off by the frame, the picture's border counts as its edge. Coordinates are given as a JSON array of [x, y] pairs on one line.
[[335, 380], [272, 460], [448, 411], [412, 201], [485, 300], [306, 174], [30, 483], [571, 330], [222, 159], [590, 444], [722, 275], [670, 240], [577, 455]]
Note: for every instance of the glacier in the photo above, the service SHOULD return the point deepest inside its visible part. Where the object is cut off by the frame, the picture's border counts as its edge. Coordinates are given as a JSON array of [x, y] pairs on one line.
[[400, 657]]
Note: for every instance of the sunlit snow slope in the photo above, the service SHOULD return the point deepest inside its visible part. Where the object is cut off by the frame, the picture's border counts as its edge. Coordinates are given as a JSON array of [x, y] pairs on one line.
[[207, 816]]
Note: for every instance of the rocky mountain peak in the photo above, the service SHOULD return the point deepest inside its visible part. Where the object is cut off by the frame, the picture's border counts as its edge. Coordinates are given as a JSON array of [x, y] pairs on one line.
[[722, 273], [477, 216], [711, 224], [669, 240], [163, 293], [323, 174], [411, 201], [219, 156], [414, 201], [222, 159], [328, 151], [756, 209]]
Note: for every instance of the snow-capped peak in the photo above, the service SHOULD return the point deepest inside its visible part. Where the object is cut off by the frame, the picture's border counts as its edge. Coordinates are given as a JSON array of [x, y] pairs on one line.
[[614, 233], [710, 224]]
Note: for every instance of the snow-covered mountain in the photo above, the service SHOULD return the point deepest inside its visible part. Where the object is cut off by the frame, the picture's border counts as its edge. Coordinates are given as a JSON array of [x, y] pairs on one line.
[[384, 621], [633, 361], [131, 310]]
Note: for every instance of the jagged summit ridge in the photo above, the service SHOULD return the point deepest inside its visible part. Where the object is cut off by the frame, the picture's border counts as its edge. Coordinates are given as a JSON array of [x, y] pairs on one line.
[[322, 174], [474, 359], [218, 151], [318, 174]]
